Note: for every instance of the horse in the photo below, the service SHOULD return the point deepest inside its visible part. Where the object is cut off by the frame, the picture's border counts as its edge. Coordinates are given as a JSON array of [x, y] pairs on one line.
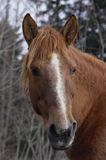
[[67, 89]]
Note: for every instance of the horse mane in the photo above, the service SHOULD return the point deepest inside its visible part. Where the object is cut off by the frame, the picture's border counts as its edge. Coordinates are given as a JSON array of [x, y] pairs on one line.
[[24, 75], [90, 60]]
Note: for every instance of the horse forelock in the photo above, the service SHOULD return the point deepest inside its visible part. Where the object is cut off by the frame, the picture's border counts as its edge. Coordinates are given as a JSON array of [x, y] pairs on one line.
[[46, 42]]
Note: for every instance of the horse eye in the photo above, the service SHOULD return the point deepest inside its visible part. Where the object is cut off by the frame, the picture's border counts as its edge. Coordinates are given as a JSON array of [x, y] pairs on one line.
[[35, 71], [72, 71]]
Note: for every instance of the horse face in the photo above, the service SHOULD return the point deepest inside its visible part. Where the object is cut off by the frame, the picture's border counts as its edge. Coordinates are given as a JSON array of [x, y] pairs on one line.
[[50, 86], [51, 94]]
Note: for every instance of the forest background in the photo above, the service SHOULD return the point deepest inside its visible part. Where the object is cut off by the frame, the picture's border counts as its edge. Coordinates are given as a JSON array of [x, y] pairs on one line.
[[22, 137]]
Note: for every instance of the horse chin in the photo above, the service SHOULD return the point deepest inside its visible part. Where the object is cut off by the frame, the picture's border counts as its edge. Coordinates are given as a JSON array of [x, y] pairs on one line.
[[59, 146]]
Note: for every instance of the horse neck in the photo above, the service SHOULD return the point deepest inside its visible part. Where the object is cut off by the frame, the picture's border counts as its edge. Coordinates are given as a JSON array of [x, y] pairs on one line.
[[90, 84]]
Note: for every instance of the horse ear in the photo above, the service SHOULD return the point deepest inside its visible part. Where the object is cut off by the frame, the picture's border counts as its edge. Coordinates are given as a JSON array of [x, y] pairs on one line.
[[70, 30], [30, 29]]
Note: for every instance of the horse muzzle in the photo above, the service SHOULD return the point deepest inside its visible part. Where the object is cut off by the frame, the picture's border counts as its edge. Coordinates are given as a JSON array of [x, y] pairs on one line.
[[62, 139]]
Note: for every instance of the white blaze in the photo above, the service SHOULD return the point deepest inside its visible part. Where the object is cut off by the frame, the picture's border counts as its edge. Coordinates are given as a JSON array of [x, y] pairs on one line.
[[59, 89]]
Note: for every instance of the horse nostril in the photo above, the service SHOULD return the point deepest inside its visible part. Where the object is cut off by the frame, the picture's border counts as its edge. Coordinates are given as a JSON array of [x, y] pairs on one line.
[[73, 128], [74, 125], [52, 129]]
